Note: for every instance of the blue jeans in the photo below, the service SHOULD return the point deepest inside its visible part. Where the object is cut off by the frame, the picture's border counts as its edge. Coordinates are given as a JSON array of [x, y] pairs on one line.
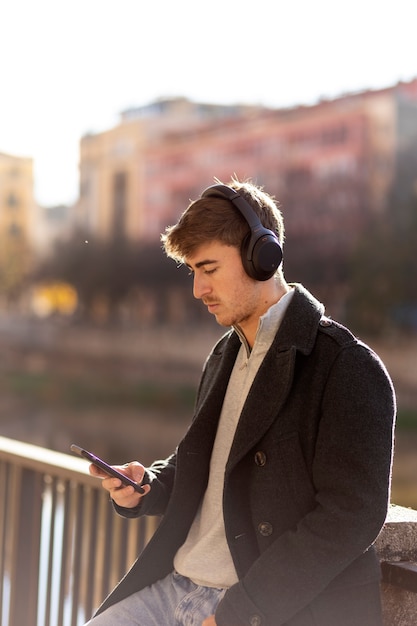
[[172, 601]]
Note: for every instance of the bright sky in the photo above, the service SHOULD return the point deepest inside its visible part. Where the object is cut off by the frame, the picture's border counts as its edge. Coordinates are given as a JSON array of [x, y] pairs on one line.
[[67, 68]]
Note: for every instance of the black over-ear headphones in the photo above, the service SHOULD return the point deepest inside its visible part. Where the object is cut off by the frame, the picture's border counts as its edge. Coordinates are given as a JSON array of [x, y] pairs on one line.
[[261, 251]]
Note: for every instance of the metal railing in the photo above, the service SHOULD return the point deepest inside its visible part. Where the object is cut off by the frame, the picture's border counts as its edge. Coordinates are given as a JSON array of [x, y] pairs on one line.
[[62, 547]]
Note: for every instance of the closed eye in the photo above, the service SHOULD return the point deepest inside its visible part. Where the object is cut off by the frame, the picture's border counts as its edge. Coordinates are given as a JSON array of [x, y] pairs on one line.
[[191, 272]]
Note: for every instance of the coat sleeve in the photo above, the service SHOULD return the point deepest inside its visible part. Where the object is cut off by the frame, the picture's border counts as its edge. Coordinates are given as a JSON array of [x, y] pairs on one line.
[[160, 475], [351, 479]]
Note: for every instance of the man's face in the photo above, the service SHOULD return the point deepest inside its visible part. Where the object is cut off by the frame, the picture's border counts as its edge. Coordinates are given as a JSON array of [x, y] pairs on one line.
[[224, 287]]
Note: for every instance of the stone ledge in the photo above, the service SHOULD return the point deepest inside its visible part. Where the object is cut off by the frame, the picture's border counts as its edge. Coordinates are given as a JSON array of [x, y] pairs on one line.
[[397, 550], [398, 539]]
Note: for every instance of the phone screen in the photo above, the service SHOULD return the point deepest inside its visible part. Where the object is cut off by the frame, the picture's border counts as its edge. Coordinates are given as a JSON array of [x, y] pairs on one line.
[[111, 471]]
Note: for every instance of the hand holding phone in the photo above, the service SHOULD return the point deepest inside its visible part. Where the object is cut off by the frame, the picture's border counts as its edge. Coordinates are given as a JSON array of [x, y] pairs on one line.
[[108, 469]]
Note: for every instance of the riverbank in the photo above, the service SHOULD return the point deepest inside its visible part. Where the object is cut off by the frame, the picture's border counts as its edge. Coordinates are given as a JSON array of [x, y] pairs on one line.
[[129, 393]]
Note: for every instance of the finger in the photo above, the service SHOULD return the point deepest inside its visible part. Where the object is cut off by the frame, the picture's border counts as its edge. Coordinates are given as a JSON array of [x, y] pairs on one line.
[[128, 497], [134, 470], [113, 484], [96, 471]]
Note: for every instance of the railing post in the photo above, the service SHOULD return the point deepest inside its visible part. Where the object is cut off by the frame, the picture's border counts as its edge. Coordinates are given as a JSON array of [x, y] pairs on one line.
[[26, 496]]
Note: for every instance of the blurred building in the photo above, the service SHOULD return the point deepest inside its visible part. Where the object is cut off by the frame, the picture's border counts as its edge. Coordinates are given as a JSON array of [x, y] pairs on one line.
[[331, 165], [17, 212], [53, 225], [16, 197], [118, 168]]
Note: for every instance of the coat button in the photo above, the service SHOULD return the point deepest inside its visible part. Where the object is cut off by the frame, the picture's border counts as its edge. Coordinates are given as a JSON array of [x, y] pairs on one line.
[[260, 458], [255, 620], [265, 529]]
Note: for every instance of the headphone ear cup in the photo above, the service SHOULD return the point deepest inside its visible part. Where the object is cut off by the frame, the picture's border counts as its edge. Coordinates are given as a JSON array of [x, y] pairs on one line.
[[247, 256], [261, 256]]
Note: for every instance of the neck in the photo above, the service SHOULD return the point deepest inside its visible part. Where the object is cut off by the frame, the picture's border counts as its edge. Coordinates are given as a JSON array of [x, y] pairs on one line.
[[272, 291]]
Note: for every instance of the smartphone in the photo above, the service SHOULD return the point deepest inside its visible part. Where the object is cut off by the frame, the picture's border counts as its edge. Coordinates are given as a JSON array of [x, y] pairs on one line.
[[111, 471]]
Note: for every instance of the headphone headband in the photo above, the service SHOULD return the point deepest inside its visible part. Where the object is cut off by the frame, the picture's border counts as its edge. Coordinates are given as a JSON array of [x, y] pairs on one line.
[[223, 191]]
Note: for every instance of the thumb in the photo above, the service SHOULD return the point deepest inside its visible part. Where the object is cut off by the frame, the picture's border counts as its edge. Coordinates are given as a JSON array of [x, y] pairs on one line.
[[136, 471]]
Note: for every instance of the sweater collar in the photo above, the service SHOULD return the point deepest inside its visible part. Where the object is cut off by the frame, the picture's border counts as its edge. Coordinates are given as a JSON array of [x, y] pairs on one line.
[[268, 326]]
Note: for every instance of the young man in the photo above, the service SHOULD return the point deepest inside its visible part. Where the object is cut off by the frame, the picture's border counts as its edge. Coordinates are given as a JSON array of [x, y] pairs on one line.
[[273, 499]]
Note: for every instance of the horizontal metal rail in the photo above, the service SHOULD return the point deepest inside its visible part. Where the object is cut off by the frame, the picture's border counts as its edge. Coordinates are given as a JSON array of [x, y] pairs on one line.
[[62, 547]]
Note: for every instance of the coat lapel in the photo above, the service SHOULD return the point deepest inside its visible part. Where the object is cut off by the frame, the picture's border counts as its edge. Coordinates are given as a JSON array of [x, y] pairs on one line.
[[200, 436], [273, 381], [264, 402]]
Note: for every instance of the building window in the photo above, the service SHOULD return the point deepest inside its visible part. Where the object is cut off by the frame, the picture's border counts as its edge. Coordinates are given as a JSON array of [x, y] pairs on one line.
[[15, 231], [119, 203], [334, 134], [12, 201]]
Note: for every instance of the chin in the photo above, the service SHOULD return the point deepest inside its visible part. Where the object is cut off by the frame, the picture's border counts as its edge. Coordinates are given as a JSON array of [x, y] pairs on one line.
[[225, 322]]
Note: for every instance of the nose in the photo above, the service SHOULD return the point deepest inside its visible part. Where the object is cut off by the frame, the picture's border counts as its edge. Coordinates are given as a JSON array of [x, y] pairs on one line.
[[201, 286]]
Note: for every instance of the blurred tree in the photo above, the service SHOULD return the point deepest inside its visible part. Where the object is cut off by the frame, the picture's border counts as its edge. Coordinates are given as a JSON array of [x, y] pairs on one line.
[[104, 273], [384, 267], [14, 262]]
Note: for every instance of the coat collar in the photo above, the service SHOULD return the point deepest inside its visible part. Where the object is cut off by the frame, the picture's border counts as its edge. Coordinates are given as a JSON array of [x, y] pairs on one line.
[[300, 324]]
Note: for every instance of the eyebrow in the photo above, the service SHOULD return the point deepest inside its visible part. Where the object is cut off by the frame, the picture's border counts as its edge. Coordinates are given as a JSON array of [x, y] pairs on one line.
[[204, 262]]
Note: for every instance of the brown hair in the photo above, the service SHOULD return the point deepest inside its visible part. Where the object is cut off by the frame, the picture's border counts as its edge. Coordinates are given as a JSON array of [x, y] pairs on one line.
[[216, 219]]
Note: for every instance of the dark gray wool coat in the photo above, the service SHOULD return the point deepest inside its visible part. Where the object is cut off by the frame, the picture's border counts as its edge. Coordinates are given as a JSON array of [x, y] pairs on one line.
[[306, 485]]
